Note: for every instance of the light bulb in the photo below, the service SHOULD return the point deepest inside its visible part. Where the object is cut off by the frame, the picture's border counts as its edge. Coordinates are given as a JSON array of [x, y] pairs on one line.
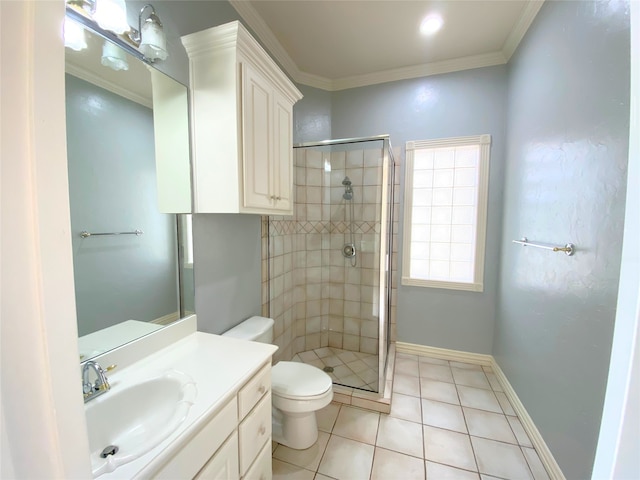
[[112, 15], [153, 43], [431, 24], [113, 57], [74, 37]]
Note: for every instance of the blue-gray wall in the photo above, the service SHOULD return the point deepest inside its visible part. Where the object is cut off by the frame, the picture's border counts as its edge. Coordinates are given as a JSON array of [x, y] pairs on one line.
[[227, 269], [112, 187], [471, 102], [565, 182], [312, 116]]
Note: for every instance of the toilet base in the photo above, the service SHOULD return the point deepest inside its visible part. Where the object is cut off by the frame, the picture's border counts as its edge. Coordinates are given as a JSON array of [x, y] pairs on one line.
[[294, 430]]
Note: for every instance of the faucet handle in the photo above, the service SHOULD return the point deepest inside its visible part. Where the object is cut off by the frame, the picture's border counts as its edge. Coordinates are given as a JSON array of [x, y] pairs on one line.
[[87, 389], [110, 367], [93, 389]]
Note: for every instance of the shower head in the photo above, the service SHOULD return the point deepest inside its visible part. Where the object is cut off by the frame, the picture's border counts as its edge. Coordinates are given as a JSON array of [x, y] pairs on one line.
[[348, 191]]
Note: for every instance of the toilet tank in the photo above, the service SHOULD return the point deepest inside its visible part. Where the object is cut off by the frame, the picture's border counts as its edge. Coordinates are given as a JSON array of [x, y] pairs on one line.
[[255, 329]]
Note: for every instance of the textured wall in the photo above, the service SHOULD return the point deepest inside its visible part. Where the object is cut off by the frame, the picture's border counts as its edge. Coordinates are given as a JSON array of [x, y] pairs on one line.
[[565, 182], [457, 104], [312, 116], [226, 269], [112, 187]]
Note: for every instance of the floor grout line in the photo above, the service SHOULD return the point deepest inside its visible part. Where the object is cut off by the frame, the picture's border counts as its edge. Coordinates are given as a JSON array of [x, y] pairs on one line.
[[420, 380]]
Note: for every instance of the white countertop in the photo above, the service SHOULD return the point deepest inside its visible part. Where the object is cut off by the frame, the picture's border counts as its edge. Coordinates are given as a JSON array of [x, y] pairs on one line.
[[218, 365]]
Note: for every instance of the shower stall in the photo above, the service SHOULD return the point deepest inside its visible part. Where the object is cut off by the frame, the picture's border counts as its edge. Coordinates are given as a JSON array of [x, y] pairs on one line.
[[328, 267]]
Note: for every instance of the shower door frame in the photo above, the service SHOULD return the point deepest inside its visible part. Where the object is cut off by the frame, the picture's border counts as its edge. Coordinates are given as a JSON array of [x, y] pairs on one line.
[[386, 243]]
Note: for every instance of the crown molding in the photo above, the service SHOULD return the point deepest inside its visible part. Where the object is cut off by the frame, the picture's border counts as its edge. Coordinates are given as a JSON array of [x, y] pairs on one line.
[[519, 30], [273, 46], [424, 70], [315, 81], [266, 36], [91, 77]]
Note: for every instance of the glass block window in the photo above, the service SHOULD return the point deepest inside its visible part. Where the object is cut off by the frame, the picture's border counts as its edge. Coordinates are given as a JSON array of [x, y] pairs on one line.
[[445, 212]]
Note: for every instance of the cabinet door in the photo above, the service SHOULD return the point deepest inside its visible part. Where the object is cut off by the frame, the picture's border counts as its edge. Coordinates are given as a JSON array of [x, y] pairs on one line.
[[283, 154], [261, 468], [187, 462], [254, 432], [257, 123], [224, 463]]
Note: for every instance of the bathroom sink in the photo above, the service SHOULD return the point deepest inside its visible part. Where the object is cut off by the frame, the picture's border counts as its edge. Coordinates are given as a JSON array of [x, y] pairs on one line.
[[127, 422]]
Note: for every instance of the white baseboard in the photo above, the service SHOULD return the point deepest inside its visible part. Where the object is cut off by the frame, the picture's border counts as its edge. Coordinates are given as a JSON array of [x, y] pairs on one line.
[[445, 354], [546, 457]]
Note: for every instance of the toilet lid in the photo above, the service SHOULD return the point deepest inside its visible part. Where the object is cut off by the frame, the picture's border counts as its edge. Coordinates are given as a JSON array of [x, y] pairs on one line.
[[295, 379]]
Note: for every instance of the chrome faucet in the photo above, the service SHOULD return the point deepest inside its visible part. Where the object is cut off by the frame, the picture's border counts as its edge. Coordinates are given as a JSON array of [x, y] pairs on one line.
[[92, 390]]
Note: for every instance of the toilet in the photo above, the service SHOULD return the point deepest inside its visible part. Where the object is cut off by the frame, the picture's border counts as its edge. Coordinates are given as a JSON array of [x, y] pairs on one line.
[[298, 390]]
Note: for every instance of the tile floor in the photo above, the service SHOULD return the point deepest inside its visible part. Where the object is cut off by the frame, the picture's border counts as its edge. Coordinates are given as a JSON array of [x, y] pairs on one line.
[[352, 369], [448, 420]]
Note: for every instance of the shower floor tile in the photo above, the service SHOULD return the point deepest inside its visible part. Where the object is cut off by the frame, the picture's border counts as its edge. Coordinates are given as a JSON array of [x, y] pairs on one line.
[[351, 369]]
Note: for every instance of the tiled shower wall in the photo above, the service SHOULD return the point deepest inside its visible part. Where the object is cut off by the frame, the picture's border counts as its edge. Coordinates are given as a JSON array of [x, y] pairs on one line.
[[316, 297]]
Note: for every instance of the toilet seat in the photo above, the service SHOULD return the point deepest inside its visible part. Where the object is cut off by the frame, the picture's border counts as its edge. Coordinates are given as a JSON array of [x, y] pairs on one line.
[[295, 380]]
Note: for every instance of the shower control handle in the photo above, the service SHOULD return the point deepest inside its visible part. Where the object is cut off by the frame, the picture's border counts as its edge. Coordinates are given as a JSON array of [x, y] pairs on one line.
[[349, 250]]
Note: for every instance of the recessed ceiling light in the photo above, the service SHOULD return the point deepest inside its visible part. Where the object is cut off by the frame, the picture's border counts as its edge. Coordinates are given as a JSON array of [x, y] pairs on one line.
[[431, 24]]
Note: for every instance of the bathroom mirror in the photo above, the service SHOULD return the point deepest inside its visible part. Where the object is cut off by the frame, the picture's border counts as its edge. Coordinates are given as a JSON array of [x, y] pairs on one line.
[[129, 183]]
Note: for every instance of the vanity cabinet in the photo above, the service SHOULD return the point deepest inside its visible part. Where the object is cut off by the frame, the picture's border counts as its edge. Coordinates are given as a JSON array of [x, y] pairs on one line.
[[239, 437], [242, 124]]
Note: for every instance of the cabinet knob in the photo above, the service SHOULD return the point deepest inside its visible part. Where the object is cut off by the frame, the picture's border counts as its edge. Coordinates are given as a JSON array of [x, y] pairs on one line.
[[278, 198], [262, 430], [262, 389]]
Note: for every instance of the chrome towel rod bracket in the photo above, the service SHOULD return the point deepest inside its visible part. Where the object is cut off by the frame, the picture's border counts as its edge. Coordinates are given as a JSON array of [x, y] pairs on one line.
[[568, 249], [85, 234]]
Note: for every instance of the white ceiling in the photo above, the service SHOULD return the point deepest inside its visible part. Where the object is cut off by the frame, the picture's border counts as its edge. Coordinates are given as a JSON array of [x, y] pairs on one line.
[[338, 44]]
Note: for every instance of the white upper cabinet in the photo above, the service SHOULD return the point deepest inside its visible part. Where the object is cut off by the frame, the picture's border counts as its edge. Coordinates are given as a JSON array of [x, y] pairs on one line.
[[242, 125]]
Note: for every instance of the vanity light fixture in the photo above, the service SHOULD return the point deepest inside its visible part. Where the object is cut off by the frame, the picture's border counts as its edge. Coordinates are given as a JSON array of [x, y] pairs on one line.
[[114, 57], [150, 37], [431, 24], [148, 41], [74, 37]]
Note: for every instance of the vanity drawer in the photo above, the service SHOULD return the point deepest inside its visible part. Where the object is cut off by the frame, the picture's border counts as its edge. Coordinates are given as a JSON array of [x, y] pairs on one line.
[[224, 464], [254, 431], [254, 390], [261, 468], [188, 461]]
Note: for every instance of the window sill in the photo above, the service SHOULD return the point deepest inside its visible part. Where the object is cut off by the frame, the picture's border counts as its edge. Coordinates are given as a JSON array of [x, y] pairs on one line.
[[469, 287]]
